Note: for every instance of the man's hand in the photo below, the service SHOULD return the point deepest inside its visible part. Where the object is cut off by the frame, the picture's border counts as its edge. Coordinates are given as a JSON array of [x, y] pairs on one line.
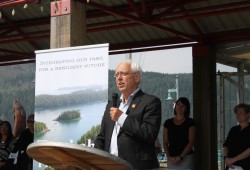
[[115, 113]]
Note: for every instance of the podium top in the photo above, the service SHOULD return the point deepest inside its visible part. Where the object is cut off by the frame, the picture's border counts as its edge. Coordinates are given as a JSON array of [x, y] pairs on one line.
[[60, 155]]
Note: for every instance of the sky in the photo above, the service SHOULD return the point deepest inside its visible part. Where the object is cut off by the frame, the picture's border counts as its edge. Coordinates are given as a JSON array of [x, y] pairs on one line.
[[164, 61]]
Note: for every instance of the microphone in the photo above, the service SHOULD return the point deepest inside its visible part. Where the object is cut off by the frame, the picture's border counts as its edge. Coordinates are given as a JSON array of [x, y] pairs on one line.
[[114, 99]]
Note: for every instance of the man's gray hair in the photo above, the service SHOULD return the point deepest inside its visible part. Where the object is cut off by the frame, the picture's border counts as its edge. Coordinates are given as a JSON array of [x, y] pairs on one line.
[[135, 67]]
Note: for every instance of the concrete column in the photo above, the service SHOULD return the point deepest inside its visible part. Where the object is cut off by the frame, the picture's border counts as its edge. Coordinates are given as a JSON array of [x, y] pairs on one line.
[[204, 107]]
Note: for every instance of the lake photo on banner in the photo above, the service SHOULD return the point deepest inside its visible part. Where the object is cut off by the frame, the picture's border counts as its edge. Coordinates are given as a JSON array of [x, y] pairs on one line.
[[69, 131]]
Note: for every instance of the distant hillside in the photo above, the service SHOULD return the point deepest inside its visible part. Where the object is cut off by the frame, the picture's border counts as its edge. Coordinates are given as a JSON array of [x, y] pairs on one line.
[[78, 97], [18, 82]]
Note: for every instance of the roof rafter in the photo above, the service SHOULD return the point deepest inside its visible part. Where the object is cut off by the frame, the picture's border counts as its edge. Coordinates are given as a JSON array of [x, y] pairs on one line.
[[186, 23], [17, 55], [133, 5], [17, 29], [138, 20], [9, 3], [191, 21], [171, 9]]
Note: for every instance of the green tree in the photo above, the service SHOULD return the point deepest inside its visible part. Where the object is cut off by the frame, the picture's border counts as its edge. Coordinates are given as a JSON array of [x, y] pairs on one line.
[[91, 134], [40, 127]]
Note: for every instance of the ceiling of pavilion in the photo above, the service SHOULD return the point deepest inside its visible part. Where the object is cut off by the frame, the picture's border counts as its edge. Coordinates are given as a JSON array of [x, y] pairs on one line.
[[129, 25]]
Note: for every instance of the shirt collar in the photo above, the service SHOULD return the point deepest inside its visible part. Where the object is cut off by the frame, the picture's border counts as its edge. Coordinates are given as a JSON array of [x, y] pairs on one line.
[[131, 96]]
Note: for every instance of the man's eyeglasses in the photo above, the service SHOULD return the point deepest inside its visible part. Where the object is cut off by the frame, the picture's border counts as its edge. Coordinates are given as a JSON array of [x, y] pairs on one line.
[[122, 74]]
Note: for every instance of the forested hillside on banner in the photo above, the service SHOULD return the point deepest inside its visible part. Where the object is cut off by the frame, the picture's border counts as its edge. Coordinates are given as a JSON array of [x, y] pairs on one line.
[[16, 82]]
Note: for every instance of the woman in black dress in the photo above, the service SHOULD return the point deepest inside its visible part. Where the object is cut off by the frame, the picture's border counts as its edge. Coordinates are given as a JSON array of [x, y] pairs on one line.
[[179, 137]]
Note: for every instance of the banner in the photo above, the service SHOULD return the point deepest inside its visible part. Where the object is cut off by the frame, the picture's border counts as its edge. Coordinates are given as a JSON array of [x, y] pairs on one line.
[[71, 94]]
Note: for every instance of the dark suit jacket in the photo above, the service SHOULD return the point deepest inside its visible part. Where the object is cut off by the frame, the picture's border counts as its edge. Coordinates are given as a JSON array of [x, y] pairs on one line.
[[136, 139]]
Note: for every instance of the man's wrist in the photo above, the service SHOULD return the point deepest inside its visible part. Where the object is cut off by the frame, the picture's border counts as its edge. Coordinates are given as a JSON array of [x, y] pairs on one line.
[[225, 157]]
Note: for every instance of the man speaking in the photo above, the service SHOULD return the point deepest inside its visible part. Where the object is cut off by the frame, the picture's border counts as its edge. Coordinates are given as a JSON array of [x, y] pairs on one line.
[[131, 124]]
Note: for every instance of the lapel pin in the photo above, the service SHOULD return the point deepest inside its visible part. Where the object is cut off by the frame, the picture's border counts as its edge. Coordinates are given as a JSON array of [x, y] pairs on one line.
[[133, 106]]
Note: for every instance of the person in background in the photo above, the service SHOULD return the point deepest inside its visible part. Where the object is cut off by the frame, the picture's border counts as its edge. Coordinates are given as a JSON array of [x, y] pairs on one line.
[[6, 141], [18, 159], [130, 129], [179, 137], [236, 149]]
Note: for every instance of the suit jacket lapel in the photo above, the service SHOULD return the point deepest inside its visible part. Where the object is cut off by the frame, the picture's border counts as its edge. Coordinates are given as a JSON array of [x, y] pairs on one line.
[[135, 101], [133, 105]]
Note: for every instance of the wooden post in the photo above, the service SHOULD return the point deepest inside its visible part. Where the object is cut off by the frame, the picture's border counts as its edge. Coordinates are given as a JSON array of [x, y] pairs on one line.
[[68, 24]]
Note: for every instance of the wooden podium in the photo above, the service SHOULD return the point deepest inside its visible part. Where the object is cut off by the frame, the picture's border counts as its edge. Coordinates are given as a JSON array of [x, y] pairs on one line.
[[68, 156]]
